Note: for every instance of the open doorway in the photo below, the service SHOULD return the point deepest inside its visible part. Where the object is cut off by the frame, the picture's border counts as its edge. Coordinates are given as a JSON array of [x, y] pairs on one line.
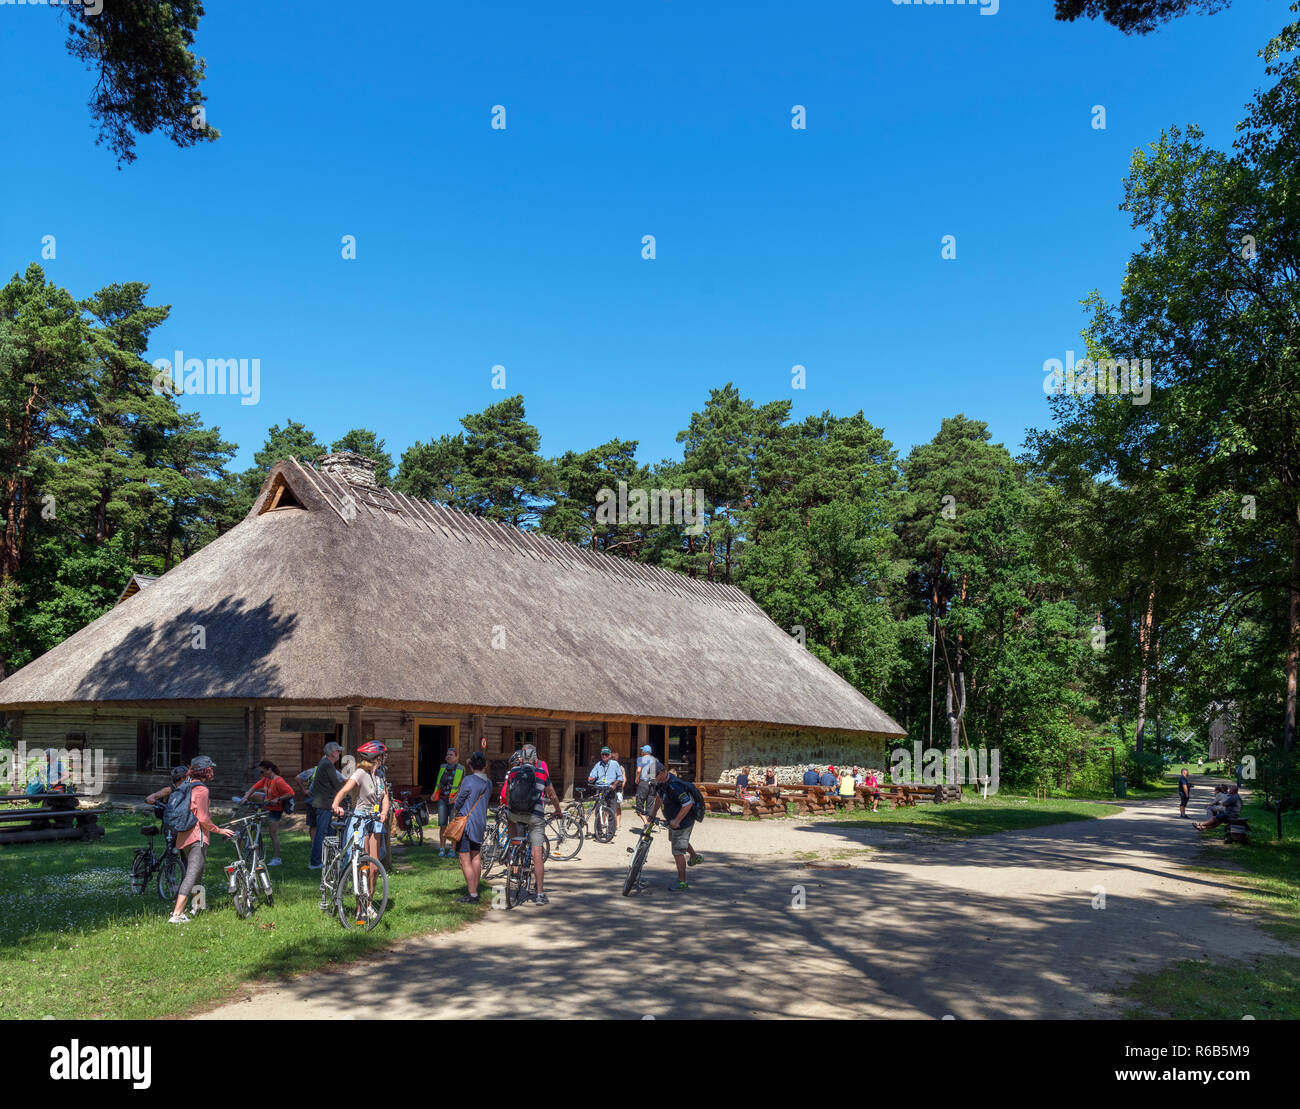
[[432, 739]]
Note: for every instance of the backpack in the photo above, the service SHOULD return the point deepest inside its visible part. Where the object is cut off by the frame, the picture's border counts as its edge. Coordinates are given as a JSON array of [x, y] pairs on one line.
[[177, 815], [523, 788], [697, 808]]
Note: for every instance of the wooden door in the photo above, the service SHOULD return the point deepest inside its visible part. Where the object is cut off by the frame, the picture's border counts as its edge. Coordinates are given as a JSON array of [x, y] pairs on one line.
[[313, 748]]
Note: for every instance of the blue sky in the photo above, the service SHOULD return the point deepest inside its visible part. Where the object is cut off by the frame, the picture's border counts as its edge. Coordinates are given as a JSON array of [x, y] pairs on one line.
[[522, 247]]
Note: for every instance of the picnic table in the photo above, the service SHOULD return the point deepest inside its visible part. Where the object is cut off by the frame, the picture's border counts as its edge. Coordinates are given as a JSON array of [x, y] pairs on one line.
[[33, 817]]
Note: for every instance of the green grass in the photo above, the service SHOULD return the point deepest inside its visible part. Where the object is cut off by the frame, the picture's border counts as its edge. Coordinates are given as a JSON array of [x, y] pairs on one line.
[[974, 816], [1266, 877], [76, 943], [1266, 988]]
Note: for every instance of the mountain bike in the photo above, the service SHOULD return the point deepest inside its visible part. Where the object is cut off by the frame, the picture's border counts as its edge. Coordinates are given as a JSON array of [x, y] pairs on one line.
[[251, 835], [640, 853], [169, 866], [520, 879], [411, 816], [496, 837], [239, 876], [353, 884], [601, 806]]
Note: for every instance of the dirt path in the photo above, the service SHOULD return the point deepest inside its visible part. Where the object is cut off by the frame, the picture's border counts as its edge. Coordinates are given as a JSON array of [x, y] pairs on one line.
[[989, 926]]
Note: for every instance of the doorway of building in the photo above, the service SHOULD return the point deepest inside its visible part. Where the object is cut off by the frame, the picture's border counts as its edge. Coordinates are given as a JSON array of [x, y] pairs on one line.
[[432, 738]]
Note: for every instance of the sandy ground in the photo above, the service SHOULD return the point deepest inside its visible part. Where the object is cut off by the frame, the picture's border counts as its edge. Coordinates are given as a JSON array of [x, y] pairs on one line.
[[912, 927]]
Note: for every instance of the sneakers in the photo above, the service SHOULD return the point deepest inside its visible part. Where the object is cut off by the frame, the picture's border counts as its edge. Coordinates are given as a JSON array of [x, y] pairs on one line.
[[677, 887], [274, 862], [178, 918], [442, 852], [695, 859], [541, 899], [466, 899], [312, 866]]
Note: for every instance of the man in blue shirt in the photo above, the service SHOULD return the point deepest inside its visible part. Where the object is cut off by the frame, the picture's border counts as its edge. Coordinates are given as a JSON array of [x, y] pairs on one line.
[[647, 769], [829, 780], [810, 777], [607, 772]]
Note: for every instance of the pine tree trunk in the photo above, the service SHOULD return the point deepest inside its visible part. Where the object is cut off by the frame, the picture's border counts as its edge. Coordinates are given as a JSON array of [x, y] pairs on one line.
[[1293, 647]]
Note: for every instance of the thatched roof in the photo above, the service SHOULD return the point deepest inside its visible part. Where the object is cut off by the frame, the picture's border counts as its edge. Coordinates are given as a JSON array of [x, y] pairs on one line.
[[330, 592]]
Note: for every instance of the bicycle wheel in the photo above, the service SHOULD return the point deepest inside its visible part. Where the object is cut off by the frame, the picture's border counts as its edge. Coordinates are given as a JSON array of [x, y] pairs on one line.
[[263, 883], [604, 823], [241, 895], [417, 831], [170, 875], [141, 868], [519, 876], [567, 831], [634, 868], [362, 894]]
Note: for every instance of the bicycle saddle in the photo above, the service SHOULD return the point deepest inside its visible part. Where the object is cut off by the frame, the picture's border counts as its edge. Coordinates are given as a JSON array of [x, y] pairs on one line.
[[149, 830]]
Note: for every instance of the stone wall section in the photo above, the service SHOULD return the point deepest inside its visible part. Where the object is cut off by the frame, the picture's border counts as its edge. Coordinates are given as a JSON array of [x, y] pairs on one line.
[[726, 750]]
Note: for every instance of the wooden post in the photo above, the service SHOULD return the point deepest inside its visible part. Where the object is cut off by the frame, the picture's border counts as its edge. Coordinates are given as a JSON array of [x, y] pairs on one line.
[[699, 753], [568, 739], [477, 725], [354, 726]]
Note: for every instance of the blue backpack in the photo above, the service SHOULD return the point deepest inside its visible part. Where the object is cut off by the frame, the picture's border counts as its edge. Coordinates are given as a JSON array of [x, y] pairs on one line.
[[177, 815]]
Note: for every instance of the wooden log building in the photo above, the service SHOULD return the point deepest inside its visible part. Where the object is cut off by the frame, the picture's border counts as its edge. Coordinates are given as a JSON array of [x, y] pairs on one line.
[[342, 610]]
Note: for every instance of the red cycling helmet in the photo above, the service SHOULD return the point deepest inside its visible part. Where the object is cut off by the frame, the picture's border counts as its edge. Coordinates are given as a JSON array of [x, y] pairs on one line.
[[372, 749]]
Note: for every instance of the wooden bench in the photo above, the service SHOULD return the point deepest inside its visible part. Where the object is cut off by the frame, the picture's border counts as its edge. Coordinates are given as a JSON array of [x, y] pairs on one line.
[[24, 819], [1236, 830], [808, 800], [762, 801]]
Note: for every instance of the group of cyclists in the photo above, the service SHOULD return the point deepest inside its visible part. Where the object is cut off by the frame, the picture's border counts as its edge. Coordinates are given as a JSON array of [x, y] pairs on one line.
[[364, 797], [528, 778]]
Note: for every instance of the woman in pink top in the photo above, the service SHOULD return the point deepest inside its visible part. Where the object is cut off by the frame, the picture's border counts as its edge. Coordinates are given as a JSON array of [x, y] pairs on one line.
[[193, 842], [872, 786]]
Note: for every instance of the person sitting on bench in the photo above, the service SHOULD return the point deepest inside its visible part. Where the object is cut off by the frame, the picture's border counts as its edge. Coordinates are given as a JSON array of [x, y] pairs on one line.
[[1231, 811]]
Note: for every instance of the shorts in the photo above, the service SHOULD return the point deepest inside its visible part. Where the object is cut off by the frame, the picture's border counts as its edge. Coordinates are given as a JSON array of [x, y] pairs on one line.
[[535, 825], [371, 826], [273, 814], [444, 811], [643, 789], [680, 838], [468, 846]]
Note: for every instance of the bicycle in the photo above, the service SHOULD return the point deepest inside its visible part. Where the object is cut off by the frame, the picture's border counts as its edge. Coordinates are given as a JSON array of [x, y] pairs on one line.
[[520, 878], [239, 877], [169, 866], [640, 853], [251, 834], [496, 837], [410, 818], [353, 884], [601, 806]]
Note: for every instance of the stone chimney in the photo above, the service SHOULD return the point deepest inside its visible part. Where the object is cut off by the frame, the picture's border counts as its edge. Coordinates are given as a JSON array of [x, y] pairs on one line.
[[348, 466]]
